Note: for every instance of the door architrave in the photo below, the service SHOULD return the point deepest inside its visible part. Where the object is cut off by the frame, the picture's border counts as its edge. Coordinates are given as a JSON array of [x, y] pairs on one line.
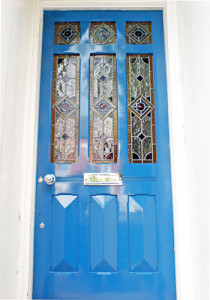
[[176, 129]]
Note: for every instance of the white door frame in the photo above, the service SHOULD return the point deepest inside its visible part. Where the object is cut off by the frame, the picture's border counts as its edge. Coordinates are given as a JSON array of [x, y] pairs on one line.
[[183, 259]]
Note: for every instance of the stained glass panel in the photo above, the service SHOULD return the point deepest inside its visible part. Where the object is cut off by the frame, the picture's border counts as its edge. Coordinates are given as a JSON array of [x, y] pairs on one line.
[[65, 109], [67, 33], [103, 33], [141, 109], [103, 109], [138, 33]]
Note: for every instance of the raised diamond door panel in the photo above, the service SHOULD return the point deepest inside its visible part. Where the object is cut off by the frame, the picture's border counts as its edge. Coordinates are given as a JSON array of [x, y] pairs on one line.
[[103, 233], [64, 233], [142, 233]]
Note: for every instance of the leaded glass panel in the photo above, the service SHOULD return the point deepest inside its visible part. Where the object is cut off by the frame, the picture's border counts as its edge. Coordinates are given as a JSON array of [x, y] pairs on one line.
[[103, 109], [67, 33], [103, 33], [138, 33], [141, 109], [65, 109]]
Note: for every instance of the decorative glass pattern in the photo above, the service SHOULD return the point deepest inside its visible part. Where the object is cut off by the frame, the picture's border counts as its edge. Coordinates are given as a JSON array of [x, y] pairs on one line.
[[103, 109], [103, 33], [65, 109], [138, 33], [141, 109], [67, 33]]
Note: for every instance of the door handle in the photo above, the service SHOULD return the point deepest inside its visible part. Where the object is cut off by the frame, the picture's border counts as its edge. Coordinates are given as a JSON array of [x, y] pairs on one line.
[[49, 179]]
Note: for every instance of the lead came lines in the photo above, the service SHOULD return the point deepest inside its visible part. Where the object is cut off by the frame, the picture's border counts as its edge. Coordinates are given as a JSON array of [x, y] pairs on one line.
[[103, 109], [65, 109], [103, 97], [141, 115]]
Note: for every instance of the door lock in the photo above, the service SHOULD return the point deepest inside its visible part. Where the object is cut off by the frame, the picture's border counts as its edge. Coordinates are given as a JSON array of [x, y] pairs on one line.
[[49, 179]]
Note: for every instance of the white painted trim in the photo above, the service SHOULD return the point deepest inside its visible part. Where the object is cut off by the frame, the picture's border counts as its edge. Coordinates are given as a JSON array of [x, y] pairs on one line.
[[29, 157], [176, 122], [99, 4], [180, 185]]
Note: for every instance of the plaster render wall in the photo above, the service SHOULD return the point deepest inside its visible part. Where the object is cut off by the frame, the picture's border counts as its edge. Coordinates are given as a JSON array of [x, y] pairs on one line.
[[15, 23], [193, 18]]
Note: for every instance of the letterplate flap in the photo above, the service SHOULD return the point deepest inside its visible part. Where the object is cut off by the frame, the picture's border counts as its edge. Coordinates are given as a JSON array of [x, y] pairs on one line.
[[103, 179]]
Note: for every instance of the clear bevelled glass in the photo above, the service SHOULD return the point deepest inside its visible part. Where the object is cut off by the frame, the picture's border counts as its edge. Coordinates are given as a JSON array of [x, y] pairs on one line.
[[67, 33], [138, 33], [141, 109], [65, 109], [103, 109], [102, 33]]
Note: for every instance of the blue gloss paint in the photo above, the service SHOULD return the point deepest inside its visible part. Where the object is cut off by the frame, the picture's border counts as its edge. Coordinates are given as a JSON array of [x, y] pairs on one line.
[[104, 242]]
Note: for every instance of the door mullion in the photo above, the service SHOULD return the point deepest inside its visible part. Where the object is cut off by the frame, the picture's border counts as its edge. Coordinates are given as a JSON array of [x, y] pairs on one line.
[[84, 102]]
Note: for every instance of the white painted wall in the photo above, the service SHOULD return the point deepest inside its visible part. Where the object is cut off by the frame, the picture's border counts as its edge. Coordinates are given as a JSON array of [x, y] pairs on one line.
[[20, 61], [194, 45], [16, 17]]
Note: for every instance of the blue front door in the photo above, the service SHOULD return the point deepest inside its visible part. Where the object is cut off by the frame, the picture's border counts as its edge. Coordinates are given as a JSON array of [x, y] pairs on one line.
[[103, 109]]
